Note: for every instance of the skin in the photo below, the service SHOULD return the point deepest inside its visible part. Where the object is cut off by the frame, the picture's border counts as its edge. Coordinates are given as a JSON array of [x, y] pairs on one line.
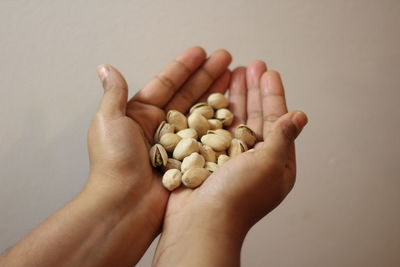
[[123, 205], [207, 226]]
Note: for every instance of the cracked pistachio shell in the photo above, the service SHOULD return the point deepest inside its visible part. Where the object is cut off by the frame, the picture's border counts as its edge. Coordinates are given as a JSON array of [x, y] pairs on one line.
[[188, 133], [162, 129], [184, 148], [237, 147], [195, 177], [169, 141], [211, 166], [177, 119], [222, 132], [158, 155], [222, 159], [204, 109], [208, 153], [199, 123], [215, 124], [172, 164], [225, 116], [194, 160], [215, 141], [217, 101], [172, 179], [245, 134]]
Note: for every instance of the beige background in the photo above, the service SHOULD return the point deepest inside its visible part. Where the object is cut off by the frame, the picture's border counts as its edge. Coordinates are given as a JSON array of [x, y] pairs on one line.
[[340, 63]]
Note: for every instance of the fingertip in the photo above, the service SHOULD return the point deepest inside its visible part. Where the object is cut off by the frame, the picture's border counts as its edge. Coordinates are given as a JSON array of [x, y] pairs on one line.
[[103, 71], [223, 53], [300, 119]]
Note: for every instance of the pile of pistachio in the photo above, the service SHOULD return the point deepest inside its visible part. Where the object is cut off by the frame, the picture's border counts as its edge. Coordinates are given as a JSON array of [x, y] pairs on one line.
[[180, 155]]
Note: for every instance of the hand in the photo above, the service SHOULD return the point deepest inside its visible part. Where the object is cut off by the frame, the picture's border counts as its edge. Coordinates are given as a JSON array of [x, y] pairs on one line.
[[122, 132], [244, 189]]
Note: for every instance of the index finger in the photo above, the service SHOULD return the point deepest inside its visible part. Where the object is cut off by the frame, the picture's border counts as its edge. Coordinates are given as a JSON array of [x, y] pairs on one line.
[[162, 87]]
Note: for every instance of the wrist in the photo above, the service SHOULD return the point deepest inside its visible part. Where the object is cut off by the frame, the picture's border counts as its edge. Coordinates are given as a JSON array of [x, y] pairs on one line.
[[210, 235]]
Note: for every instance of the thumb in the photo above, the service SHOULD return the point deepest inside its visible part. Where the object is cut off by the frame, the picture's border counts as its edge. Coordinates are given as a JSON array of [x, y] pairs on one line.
[[115, 91], [283, 133]]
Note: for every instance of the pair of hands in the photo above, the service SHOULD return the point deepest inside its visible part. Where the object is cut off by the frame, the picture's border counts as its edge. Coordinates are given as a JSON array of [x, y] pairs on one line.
[[234, 197]]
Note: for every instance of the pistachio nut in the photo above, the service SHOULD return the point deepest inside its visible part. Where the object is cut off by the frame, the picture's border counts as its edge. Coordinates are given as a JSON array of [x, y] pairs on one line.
[[172, 179], [184, 148], [188, 133], [162, 129], [215, 141], [177, 119], [211, 166], [194, 160], [222, 132], [217, 101], [169, 141], [245, 134], [237, 147], [222, 159], [194, 177], [158, 155], [204, 109], [199, 123], [172, 164], [225, 116], [215, 124], [208, 153]]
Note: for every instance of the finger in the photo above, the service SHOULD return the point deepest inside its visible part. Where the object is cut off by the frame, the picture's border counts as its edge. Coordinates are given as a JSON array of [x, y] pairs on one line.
[[115, 95], [273, 99], [238, 97], [163, 86], [221, 85], [279, 141], [201, 80], [254, 107]]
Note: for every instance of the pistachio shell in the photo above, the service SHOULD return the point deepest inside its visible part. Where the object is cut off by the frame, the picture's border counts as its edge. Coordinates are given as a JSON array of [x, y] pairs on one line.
[[169, 141], [251, 150], [158, 155], [237, 147], [216, 142], [172, 164], [215, 124], [184, 148], [222, 159], [208, 153], [245, 134], [162, 129], [188, 133], [194, 160], [217, 101], [172, 179], [177, 119], [204, 109], [222, 132], [225, 116], [195, 177], [199, 123], [211, 166]]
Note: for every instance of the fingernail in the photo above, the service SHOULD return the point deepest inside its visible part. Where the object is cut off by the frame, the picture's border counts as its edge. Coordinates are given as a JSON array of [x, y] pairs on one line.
[[102, 72], [299, 119]]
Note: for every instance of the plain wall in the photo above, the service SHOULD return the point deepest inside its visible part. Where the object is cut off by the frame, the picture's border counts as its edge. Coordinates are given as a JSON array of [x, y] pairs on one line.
[[340, 64]]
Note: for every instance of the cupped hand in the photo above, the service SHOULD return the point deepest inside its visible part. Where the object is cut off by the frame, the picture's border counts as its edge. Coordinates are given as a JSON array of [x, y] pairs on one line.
[[250, 185], [122, 131]]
